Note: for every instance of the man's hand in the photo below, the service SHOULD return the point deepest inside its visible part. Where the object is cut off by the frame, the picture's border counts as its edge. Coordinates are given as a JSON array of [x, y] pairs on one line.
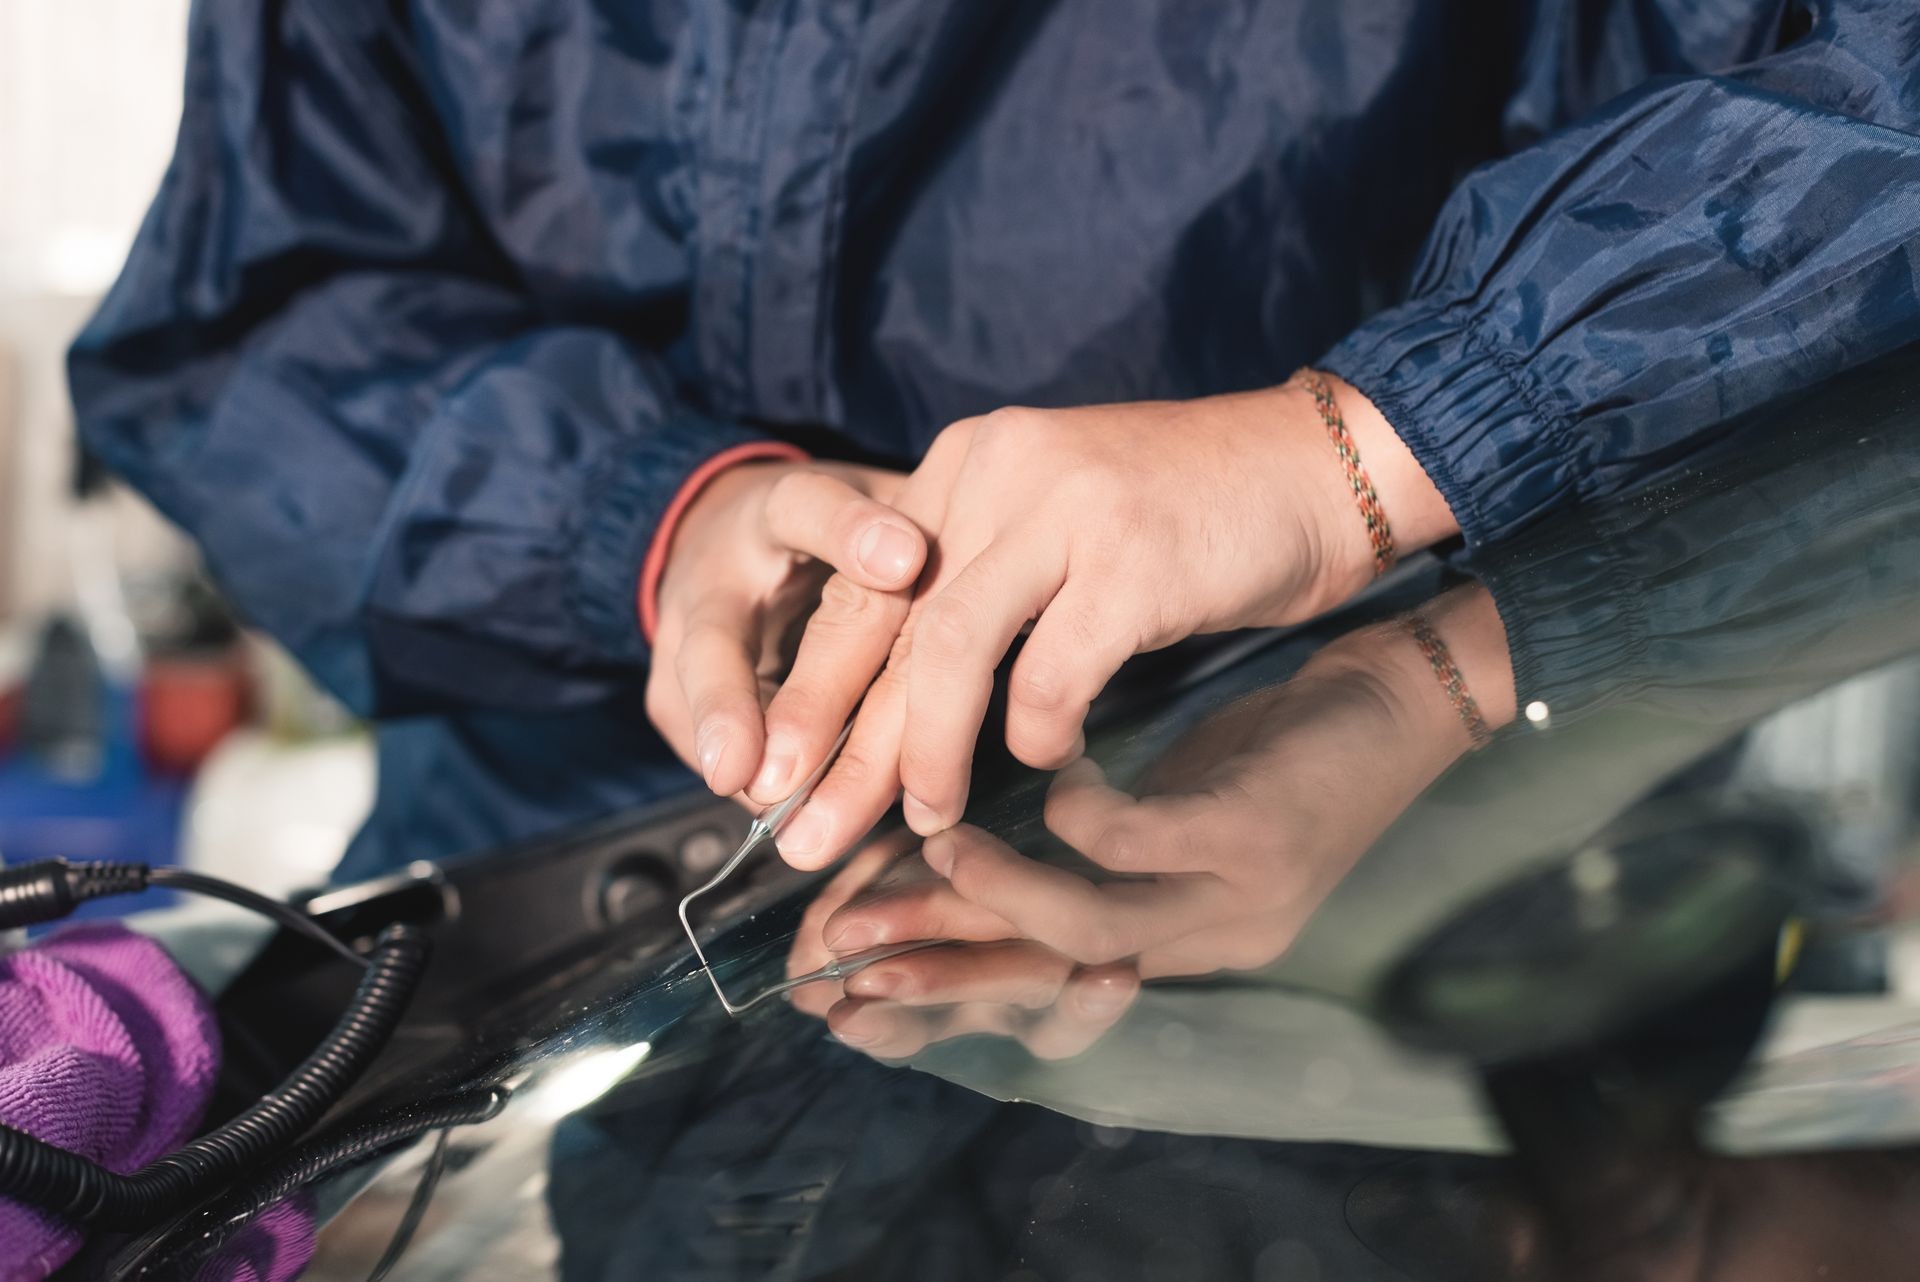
[[1112, 531], [1252, 819], [742, 574]]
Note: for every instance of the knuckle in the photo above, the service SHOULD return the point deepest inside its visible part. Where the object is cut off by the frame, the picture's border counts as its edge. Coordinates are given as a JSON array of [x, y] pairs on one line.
[[844, 602], [1096, 943], [1097, 482], [788, 493], [899, 657], [1042, 745], [854, 769], [1059, 809], [798, 708], [921, 765], [1124, 846], [964, 874], [1034, 996], [1187, 849], [908, 985], [1042, 987], [946, 629], [1041, 684], [1018, 421], [1136, 521], [960, 432], [813, 920], [849, 524], [1048, 1045]]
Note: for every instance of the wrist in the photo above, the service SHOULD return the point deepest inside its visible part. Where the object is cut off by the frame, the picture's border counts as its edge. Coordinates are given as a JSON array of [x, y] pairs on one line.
[[1468, 620], [1421, 715], [1385, 483], [699, 496], [1467, 624]]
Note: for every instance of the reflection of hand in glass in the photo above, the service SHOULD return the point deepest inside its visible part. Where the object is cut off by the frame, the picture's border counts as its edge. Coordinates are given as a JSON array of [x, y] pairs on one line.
[[994, 983], [1236, 837]]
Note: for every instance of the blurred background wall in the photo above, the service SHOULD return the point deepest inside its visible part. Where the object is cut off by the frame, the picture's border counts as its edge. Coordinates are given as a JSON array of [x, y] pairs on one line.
[[89, 102], [135, 722]]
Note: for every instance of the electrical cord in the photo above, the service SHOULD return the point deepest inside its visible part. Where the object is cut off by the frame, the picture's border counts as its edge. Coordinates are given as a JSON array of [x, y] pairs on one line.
[[416, 1211], [84, 1192], [287, 915], [184, 1246], [50, 889]]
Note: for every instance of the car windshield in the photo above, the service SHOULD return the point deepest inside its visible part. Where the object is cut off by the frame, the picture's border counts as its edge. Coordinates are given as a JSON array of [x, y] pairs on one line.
[[1625, 975]]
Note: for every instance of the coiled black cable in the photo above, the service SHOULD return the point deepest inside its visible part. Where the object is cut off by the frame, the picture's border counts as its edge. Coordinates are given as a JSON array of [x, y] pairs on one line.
[[209, 1230], [85, 1192]]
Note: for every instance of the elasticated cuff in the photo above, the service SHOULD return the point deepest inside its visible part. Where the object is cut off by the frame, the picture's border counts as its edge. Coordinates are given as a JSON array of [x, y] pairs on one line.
[[1495, 447], [636, 490], [1576, 623], [647, 603]]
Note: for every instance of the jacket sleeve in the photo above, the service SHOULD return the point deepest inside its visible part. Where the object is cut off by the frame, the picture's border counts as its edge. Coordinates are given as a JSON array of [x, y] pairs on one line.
[[316, 361], [1759, 576], [1589, 310]]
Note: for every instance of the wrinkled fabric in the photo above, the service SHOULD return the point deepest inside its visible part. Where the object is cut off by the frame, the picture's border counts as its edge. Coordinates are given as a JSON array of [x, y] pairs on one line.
[[107, 1050], [1593, 306], [1766, 574], [440, 302]]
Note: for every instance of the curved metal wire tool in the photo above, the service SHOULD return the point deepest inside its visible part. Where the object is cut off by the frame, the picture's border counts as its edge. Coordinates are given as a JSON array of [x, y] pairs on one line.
[[764, 828]]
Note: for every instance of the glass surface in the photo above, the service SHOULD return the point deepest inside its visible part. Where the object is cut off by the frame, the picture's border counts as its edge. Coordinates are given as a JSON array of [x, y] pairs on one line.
[[1284, 980]]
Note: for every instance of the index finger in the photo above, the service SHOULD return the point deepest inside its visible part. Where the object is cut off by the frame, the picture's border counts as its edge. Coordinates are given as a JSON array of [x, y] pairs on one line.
[[959, 636], [921, 910], [1093, 924], [845, 645]]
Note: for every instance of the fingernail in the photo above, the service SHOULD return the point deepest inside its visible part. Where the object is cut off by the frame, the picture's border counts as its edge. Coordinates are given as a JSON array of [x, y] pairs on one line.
[[856, 936], [854, 1038], [1103, 999], [804, 835], [919, 815], [712, 742], [886, 551], [938, 852], [776, 766]]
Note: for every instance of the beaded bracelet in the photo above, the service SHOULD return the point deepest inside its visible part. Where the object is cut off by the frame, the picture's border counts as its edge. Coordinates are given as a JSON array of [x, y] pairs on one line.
[[1440, 659], [1379, 533]]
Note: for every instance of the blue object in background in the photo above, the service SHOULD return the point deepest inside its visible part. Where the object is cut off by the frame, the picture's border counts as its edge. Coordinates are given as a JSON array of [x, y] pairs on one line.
[[75, 786]]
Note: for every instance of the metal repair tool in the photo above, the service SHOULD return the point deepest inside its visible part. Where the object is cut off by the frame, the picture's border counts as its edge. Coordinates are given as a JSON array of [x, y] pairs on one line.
[[764, 828], [838, 968]]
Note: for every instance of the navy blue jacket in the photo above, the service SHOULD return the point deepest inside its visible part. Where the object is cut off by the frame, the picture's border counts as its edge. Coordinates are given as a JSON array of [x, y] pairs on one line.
[[441, 300]]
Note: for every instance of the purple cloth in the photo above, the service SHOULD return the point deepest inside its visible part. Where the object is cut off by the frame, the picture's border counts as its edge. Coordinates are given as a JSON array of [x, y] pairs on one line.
[[106, 1049]]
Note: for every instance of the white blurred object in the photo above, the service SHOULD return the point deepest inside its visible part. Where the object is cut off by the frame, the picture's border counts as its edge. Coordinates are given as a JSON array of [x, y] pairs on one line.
[[89, 106], [276, 816]]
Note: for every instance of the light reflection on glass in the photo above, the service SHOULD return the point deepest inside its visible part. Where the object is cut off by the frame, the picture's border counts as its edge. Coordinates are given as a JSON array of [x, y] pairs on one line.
[[583, 1079]]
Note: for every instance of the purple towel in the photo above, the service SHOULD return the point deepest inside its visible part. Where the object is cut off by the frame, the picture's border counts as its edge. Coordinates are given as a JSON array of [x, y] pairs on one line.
[[106, 1049]]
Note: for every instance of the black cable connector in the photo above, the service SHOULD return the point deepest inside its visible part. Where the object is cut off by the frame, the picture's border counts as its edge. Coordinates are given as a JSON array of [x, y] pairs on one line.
[[36, 893], [49, 889]]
